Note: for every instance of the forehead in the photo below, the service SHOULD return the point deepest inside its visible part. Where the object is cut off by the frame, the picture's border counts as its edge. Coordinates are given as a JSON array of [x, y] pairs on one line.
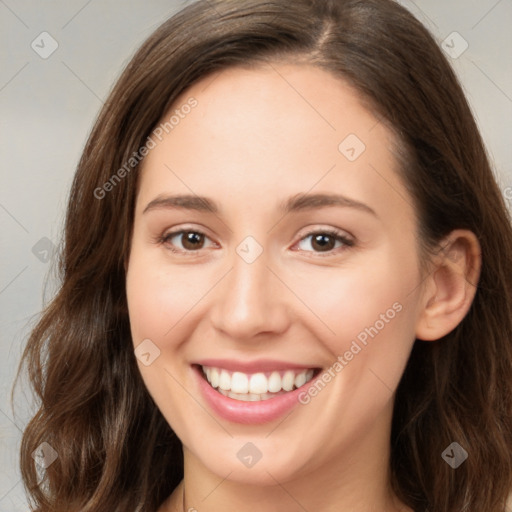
[[269, 96], [275, 128]]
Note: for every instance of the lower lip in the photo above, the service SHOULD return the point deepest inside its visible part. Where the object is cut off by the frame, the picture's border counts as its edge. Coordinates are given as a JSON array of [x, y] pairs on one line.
[[252, 413]]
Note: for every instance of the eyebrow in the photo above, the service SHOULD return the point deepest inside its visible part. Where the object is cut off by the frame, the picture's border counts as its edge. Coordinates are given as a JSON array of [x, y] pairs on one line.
[[295, 203]]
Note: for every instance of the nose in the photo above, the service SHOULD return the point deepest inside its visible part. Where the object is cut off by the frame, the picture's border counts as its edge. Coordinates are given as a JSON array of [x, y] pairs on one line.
[[251, 300]]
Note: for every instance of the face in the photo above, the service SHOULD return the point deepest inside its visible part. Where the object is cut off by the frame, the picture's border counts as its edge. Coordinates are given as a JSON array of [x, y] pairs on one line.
[[292, 285]]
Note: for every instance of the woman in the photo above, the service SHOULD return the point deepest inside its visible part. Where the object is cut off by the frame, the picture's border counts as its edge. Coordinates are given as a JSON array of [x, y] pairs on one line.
[[334, 331]]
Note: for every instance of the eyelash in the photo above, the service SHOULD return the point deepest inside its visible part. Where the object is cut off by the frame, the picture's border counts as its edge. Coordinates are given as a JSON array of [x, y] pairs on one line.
[[337, 235]]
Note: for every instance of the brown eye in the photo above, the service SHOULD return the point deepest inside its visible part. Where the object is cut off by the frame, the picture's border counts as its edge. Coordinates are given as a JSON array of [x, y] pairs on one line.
[[325, 241], [191, 241]]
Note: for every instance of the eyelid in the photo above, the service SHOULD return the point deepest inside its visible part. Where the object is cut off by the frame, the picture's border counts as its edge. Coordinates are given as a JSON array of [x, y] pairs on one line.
[[163, 239], [338, 234], [343, 236]]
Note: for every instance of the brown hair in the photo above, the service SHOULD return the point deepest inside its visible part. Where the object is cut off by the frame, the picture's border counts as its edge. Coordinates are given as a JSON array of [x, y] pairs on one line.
[[115, 450]]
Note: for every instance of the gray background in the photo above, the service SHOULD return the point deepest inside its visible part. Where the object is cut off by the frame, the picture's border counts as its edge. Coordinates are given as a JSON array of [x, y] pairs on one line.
[[48, 107]]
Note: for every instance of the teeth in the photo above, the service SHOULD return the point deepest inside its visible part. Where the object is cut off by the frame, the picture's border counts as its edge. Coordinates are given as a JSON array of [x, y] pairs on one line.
[[300, 380], [224, 380], [256, 386], [240, 383], [274, 382], [213, 378], [288, 381], [258, 383]]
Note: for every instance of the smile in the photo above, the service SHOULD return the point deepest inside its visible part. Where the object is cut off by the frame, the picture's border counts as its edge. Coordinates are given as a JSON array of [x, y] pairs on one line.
[[254, 387], [252, 392]]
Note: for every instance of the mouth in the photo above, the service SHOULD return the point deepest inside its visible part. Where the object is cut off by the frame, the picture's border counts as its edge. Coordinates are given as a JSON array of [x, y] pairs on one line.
[[258, 386]]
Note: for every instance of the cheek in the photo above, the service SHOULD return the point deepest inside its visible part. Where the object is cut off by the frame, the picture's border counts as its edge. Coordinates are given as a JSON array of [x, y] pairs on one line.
[[158, 300], [370, 312], [159, 295]]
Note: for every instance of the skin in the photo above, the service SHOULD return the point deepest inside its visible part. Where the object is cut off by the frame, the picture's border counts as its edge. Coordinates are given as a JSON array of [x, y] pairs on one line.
[[256, 138]]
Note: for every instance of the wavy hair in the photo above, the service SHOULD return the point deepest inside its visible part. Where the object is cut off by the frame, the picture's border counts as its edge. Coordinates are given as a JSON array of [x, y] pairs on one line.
[[115, 450]]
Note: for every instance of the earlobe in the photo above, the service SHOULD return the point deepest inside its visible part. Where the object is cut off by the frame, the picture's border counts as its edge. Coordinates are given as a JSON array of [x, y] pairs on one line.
[[451, 285]]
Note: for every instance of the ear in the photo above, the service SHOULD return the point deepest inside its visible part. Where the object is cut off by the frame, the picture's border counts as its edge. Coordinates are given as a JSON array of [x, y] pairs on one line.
[[450, 286]]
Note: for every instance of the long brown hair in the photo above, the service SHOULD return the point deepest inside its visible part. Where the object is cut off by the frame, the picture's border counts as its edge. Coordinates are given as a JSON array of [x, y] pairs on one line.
[[115, 450]]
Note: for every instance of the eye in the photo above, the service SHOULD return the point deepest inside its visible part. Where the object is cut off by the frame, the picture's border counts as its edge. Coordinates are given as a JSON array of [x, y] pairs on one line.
[[322, 241], [190, 243], [325, 241]]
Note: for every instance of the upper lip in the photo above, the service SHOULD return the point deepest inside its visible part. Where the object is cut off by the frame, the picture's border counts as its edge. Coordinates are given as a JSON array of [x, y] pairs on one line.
[[259, 365]]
